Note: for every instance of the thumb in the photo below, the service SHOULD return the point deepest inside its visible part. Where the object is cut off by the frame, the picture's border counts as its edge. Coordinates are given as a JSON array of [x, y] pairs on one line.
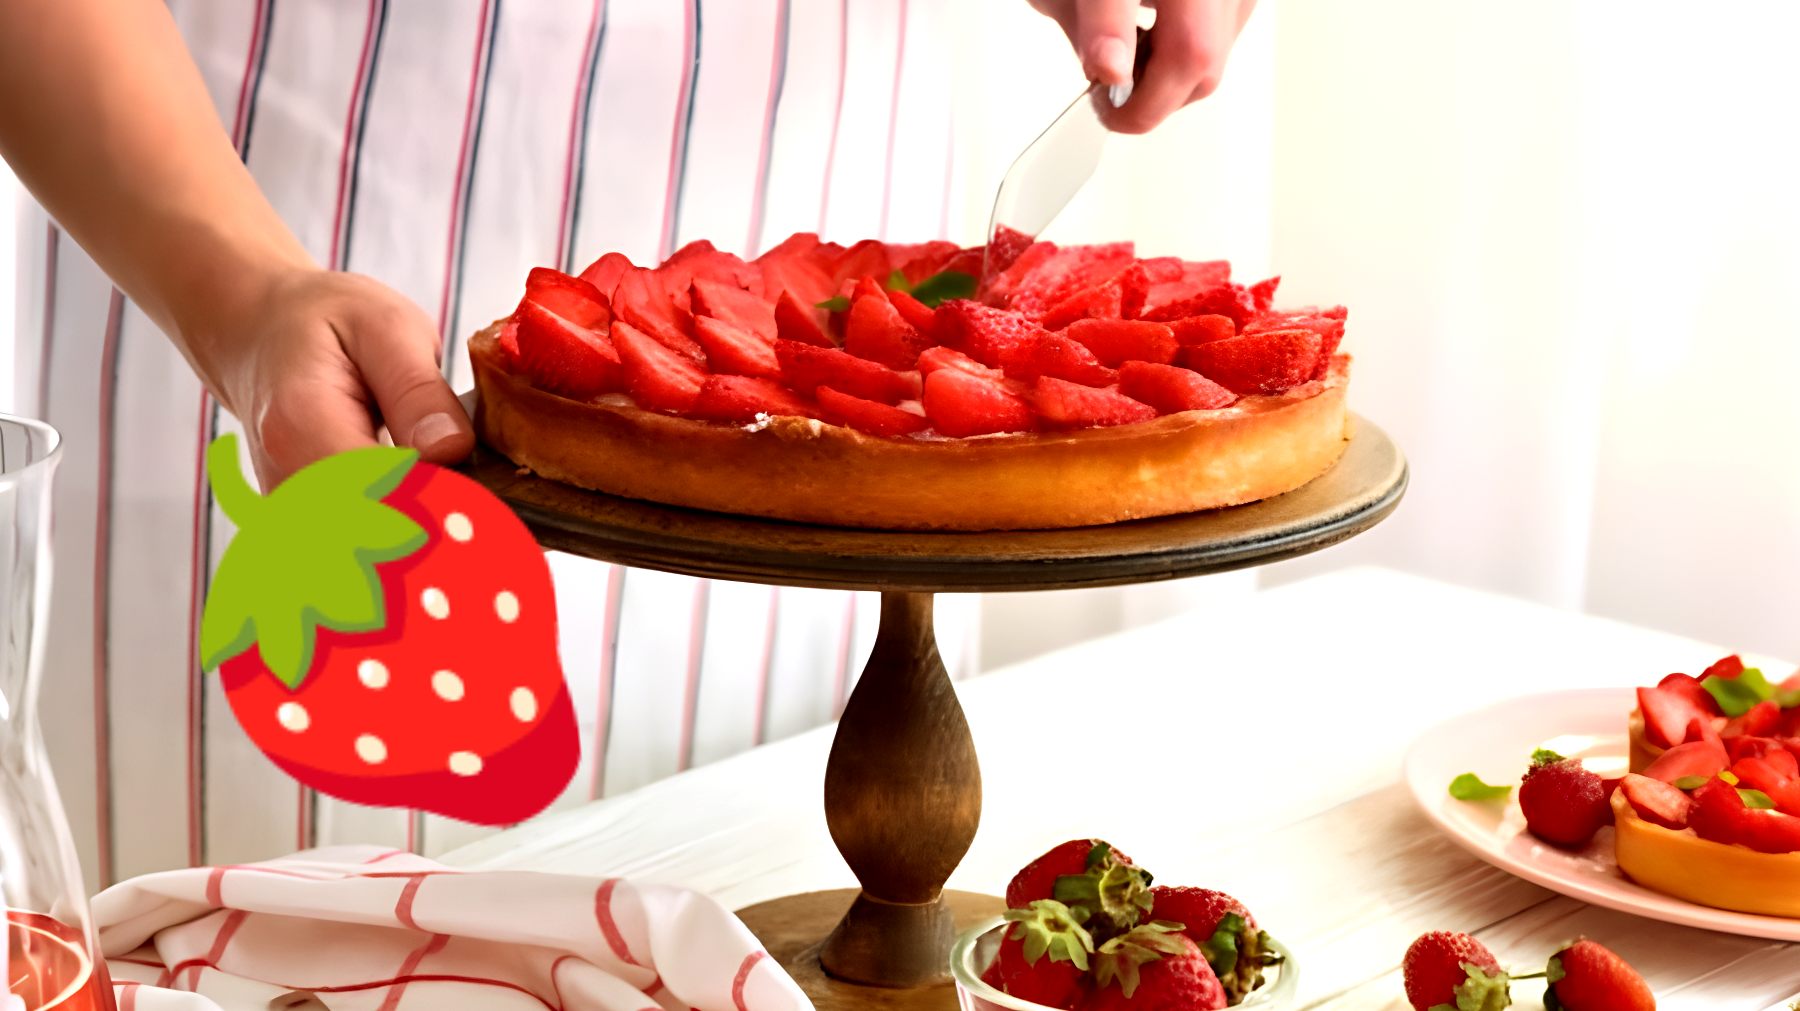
[[1105, 39], [402, 375]]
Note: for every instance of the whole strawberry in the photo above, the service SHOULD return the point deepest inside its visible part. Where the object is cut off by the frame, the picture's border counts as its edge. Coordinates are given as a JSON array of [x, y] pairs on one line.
[[1153, 967], [1587, 977], [1044, 956], [385, 631], [1089, 876], [1444, 967], [1225, 931], [1564, 803]]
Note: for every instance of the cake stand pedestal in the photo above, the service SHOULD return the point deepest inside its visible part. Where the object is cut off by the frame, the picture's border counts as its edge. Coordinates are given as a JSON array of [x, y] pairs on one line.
[[902, 785]]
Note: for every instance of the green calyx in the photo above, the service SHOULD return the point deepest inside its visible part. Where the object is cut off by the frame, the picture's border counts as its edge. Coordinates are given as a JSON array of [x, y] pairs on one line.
[[1238, 954], [304, 555], [1481, 991], [1120, 957], [1050, 928], [1553, 972], [1544, 756], [1117, 894]]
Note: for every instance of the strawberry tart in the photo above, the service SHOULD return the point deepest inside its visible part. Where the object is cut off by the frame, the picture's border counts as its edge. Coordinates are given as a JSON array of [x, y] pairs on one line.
[[883, 386]]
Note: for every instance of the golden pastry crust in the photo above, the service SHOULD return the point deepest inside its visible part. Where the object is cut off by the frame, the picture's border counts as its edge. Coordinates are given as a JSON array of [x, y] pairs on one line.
[[1721, 875], [811, 472]]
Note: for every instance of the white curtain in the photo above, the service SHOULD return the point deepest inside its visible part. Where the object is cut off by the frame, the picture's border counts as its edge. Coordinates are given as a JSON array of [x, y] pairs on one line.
[[1567, 233]]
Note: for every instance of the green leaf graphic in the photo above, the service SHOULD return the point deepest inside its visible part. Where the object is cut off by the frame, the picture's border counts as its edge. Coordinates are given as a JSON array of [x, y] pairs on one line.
[[304, 556]]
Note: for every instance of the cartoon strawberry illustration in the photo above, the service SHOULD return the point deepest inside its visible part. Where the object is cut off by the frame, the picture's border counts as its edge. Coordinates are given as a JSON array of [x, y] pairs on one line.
[[385, 631]]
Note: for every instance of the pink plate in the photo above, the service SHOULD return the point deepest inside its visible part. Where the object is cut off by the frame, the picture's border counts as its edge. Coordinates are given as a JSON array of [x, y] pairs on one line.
[[1495, 743]]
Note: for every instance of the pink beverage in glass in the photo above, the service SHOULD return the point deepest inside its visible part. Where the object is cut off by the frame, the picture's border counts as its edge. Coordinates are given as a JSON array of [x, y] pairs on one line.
[[51, 944]]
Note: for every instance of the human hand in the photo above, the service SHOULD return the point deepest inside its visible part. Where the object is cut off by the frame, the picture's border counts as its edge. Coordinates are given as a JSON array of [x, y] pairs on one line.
[[1189, 45], [318, 361]]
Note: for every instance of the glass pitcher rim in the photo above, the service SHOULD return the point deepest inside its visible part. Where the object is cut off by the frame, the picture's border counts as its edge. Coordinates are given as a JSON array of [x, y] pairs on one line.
[[44, 463]]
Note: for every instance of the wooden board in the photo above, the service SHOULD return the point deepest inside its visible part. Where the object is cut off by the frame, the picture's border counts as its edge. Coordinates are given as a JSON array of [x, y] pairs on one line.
[[1360, 490], [792, 927]]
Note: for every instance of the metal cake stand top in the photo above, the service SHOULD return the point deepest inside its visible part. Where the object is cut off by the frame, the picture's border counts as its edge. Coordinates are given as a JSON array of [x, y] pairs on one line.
[[1360, 490]]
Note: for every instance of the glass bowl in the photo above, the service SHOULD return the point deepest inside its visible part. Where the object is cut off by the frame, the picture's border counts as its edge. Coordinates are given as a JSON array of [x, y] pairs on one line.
[[976, 948]]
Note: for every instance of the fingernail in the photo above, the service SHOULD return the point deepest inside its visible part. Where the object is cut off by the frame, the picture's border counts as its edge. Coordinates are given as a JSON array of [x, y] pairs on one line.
[[1112, 60], [433, 429]]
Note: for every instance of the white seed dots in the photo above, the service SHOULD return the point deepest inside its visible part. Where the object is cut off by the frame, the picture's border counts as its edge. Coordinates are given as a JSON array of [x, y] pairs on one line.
[[293, 716], [524, 704], [371, 749], [465, 763], [372, 673], [458, 527], [448, 686], [435, 603], [506, 606]]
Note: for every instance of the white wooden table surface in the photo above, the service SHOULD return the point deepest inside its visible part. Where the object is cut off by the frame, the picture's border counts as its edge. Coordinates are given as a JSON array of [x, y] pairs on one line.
[[1277, 727]]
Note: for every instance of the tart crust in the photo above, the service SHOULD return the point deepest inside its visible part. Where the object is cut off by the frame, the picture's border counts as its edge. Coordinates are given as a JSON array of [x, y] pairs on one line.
[[1721, 875], [805, 470]]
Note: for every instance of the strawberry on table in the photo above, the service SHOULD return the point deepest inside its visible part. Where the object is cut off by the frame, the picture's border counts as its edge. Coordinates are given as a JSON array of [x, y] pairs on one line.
[[561, 356], [1170, 389], [1153, 967], [1446, 968], [1088, 873], [1586, 976], [1044, 956], [656, 377], [1564, 803], [385, 631]]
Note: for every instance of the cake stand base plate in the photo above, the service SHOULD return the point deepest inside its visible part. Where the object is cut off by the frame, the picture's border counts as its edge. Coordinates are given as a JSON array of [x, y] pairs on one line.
[[793, 926]]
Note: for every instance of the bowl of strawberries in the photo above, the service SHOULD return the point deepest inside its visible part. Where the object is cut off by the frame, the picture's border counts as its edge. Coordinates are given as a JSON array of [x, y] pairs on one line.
[[1085, 930]]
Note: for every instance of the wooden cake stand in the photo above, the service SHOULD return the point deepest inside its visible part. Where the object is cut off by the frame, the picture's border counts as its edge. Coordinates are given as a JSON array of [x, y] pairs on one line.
[[902, 785]]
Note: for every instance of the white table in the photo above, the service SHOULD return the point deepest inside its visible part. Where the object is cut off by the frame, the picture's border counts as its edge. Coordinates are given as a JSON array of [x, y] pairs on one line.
[[1284, 719]]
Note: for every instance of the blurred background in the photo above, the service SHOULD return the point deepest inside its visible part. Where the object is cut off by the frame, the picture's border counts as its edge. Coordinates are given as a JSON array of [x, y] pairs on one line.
[[1564, 231]]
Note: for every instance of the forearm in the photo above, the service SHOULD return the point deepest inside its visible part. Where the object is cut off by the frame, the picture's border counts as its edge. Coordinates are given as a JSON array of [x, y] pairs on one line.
[[104, 118]]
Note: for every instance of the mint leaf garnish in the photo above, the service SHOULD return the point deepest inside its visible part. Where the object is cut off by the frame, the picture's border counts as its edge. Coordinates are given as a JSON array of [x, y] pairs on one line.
[[1469, 786], [943, 286], [304, 555], [1756, 800], [1737, 695], [1691, 782], [897, 282], [839, 303]]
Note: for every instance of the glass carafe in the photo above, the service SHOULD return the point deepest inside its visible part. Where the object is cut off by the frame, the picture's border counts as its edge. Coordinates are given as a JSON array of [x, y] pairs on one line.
[[50, 956]]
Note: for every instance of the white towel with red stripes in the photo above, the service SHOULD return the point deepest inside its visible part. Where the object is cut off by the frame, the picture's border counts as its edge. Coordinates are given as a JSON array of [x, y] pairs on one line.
[[364, 928]]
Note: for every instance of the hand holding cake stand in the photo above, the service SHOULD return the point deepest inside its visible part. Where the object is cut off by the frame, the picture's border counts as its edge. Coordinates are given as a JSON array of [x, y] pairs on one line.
[[902, 785]]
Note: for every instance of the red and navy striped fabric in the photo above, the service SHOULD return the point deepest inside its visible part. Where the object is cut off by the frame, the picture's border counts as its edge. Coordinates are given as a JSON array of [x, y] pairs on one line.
[[445, 147]]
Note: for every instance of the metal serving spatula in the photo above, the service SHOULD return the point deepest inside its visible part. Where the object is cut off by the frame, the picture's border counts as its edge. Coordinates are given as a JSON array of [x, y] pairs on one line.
[[1055, 166]]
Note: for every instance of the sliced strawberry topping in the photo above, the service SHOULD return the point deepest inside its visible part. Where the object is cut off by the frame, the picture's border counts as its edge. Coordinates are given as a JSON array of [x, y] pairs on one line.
[[1114, 341], [1005, 249], [739, 400], [572, 298], [1071, 270], [876, 331], [961, 405], [1227, 299], [868, 258], [1262, 294], [1775, 783], [944, 358], [1721, 815], [1657, 802], [1259, 363], [1667, 715], [1102, 301], [1728, 668], [564, 358], [657, 378], [509, 344], [1171, 390], [791, 268], [735, 306], [983, 333], [922, 317], [805, 368], [733, 351], [1758, 721], [1202, 330], [700, 260], [641, 300], [1695, 758], [1002, 283], [919, 260], [867, 415], [1693, 690], [1052, 354], [802, 324], [1168, 280], [605, 272], [1065, 405]]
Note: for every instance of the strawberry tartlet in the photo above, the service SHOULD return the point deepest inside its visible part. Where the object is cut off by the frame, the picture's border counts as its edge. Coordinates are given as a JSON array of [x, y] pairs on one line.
[[882, 386]]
